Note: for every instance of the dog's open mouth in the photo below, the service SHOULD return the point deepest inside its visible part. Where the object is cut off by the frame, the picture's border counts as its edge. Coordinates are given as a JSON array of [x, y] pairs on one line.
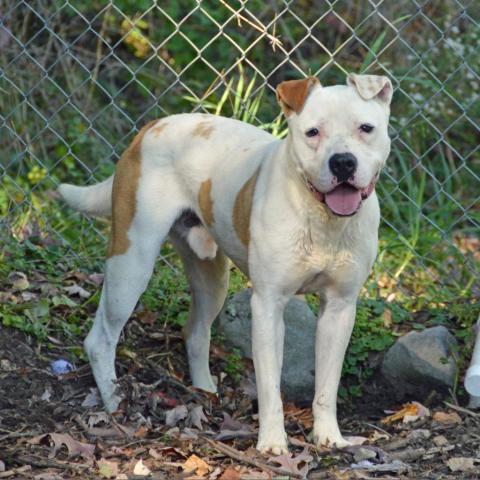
[[345, 199]]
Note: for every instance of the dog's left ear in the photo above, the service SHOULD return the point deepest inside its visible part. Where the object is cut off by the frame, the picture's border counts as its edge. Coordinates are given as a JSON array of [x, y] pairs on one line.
[[292, 94], [372, 86]]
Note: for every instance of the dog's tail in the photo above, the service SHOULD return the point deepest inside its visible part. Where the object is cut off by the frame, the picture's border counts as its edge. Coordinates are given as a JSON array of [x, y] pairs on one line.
[[95, 200]]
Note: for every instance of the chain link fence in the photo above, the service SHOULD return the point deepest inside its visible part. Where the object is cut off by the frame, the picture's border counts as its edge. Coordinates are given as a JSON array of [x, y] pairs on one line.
[[78, 79]]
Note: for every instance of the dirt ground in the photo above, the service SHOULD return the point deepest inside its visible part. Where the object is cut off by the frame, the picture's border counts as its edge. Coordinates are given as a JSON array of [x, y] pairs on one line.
[[53, 427]]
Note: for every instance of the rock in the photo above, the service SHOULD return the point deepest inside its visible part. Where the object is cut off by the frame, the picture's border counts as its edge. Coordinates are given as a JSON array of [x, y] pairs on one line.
[[419, 434], [421, 361], [298, 374], [364, 454]]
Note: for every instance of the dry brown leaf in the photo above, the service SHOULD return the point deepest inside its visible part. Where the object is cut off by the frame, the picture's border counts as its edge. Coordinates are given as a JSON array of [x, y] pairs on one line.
[[291, 464], [230, 474], [304, 416], [107, 468], [75, 448], [140, 469], [461, 464], [408, 413], [197, 465], [196, 417], [447, 418], [176, 414]]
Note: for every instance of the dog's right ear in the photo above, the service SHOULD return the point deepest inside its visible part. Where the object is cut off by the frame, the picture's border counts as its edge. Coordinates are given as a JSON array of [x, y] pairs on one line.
[[292, 94]]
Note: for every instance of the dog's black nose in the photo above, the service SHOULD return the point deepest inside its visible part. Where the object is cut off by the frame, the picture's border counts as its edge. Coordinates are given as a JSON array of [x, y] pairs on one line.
[[342, 165]]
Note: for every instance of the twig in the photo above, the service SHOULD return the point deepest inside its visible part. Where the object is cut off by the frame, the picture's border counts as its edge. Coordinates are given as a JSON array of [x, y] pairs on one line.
[[15, 471], [274, 41], [463, 410], [36, 462], [98, 56], [378, 428], [241, 457]]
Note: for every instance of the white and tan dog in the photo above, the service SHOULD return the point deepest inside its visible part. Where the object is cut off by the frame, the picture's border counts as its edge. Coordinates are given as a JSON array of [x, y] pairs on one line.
[[296, 215]]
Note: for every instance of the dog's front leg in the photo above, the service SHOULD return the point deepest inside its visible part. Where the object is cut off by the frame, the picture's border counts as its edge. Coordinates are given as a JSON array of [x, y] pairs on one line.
[[267, 335], [333, 334]]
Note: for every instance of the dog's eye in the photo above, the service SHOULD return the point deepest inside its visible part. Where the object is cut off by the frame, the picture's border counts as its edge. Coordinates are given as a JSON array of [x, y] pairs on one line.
[[366, 128], [312, 132]]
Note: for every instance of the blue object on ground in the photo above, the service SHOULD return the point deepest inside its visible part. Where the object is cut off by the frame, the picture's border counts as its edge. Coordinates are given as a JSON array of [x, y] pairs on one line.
[[60, 367]]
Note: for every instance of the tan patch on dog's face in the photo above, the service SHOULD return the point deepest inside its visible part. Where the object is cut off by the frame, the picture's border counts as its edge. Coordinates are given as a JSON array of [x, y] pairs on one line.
[[205, 201], [203, 129], [124, 194], [242, 209], [158, 130]]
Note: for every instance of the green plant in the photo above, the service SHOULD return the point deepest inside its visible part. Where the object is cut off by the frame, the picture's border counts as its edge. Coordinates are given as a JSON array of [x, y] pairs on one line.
[[234, 366]]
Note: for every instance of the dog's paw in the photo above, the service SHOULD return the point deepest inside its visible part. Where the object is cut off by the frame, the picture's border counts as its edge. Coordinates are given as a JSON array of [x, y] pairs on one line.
[[111, 403], [330, 439], [273, 442], [274, 448]]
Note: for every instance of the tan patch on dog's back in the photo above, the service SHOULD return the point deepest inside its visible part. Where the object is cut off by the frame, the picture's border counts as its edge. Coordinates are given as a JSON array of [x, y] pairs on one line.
[[205, 201], [124, 194], [242, 209], [203, 129]]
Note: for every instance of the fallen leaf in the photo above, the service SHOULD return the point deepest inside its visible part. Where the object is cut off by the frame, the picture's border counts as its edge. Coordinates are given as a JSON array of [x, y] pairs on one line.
[[158, 398], [291, 464], [408, 413], [461, 464], [356, 440], [196, 417], [396, 466], [147, 317], [304, 416], [176, 414], [75, 448], [376, 435], [140, 469], [231, 428], [46, 395], [107, 468], [48, 476], [450, 418], [141, 432], [18, 280], [230, 474], [77, 290], [96, 278], [92, 399], [98, 417], [197, 465]]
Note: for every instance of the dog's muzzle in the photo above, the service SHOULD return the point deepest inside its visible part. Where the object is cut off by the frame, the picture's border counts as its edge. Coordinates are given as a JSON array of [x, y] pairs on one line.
[[345, 199]]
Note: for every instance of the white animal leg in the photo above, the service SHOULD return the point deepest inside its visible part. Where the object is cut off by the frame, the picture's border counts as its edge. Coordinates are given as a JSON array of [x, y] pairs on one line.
[[267, 335], [333, 334], [126, 277], [209, 283]]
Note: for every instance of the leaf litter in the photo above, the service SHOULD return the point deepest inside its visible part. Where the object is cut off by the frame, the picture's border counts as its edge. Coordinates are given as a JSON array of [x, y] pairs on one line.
[[165, 427]]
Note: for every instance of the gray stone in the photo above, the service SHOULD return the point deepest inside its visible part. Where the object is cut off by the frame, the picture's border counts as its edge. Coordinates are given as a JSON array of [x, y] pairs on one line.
[[421, 361], [298, 374]]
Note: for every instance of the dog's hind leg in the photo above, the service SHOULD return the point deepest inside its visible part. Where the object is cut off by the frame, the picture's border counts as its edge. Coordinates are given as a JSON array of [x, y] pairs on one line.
[[208, 280], [134, 246]]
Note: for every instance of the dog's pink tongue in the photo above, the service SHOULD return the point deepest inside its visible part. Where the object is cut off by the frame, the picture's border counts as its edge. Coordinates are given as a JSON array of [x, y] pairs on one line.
[[343, 200]]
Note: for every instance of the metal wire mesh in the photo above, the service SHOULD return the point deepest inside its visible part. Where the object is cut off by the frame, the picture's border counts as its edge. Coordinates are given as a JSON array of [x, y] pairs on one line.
[[78, 78]]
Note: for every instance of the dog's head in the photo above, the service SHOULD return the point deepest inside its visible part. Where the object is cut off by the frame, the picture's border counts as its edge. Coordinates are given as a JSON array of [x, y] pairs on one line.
[[339, 136]]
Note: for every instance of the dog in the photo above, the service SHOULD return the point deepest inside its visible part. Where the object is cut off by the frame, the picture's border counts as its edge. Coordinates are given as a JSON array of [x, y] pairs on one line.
[[296, 215]]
